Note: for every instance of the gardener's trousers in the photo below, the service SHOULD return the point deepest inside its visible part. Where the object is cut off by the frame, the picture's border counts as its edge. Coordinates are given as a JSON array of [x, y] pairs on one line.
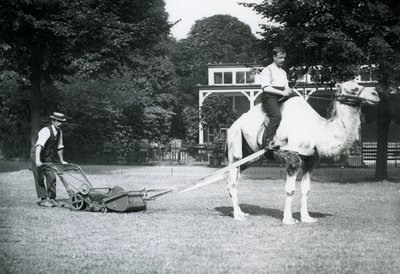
[[39, 173]]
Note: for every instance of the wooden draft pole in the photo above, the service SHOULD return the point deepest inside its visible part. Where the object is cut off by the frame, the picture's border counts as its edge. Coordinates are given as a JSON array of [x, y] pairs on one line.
[[211, 178]]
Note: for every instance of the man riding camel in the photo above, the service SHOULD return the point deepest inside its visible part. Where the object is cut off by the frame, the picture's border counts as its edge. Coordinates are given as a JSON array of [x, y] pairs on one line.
[[275, 86]]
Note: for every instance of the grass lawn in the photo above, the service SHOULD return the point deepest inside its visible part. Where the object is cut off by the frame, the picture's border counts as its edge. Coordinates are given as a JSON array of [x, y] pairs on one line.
[[358, 229]]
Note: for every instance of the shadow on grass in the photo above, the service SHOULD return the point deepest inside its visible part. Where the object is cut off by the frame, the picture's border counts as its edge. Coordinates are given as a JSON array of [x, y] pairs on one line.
[[260, 211]]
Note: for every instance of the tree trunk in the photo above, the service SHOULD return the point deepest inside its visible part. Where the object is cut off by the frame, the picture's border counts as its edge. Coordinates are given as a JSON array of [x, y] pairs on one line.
[[35, 107], [36, 93], [383, 121]]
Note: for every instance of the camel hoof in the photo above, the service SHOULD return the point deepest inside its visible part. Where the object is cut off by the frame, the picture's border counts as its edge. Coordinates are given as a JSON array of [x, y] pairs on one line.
[[240, 216], [309, 220], [289, 221]]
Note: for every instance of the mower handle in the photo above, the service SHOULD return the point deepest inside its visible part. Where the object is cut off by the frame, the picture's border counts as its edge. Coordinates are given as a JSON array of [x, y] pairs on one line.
[[55, 166]]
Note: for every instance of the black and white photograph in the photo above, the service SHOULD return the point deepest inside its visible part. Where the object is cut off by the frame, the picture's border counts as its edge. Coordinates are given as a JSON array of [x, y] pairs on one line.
[[200, 136]]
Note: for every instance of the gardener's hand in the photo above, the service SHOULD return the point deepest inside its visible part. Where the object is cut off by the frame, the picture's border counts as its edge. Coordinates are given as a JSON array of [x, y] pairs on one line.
[[64, 162], [38, 163]]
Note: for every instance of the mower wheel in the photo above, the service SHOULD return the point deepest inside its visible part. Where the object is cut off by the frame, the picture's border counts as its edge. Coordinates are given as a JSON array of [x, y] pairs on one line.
[[76, 202]]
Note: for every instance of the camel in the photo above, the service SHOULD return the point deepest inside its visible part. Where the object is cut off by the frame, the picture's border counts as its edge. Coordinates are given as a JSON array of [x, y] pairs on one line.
[[303, 135]]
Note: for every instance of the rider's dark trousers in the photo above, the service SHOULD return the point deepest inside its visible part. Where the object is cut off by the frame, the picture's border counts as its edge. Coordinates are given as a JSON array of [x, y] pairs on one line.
[[39, 173], [272, 107]]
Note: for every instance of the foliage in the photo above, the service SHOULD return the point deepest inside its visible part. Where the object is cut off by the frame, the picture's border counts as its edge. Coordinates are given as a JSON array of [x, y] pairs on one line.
[[156, 122], [14, 126], [231, 37], [88, 36], [145, 96], [15, 113], [190, 121], [219, 38], [45, 40], [120, 110], [340, 34], [217, 111], [118, 55], [123, 141], [92, 119]]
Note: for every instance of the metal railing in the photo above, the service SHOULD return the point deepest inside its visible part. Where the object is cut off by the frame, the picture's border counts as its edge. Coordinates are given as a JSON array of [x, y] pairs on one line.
[[369, 151]]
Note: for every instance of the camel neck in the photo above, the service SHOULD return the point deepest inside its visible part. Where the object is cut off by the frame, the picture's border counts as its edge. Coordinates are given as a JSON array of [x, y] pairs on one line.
[[342, 129]]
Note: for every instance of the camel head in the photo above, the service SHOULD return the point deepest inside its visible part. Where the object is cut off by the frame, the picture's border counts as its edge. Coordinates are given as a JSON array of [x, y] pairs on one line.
[[353, 94]]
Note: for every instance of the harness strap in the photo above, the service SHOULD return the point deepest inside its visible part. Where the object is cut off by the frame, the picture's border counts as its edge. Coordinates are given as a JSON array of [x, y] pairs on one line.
[[350, 101]]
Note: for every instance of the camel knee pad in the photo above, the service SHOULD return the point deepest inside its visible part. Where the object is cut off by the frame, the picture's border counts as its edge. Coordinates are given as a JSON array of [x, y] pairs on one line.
[[291, 193], [293, 163]]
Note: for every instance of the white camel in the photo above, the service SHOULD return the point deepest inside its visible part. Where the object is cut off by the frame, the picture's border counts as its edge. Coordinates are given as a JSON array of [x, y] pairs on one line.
[[303, 135]]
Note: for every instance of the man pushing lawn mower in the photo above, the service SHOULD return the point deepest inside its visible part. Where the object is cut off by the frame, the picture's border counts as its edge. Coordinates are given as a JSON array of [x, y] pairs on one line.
[[47, 143], [83, 196]]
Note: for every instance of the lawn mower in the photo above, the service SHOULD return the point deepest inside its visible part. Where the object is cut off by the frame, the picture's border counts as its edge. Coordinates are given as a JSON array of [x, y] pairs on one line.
[[84, 197]]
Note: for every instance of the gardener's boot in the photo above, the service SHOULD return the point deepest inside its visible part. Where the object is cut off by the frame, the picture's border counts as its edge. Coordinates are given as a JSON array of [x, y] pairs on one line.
[[46, 203]]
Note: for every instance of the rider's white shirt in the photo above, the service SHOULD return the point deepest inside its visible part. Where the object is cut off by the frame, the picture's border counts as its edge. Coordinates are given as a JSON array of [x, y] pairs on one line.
[[273, 76]]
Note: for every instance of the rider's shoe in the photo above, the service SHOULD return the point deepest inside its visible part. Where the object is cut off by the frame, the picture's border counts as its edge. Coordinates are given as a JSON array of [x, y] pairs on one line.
[[270, 144]]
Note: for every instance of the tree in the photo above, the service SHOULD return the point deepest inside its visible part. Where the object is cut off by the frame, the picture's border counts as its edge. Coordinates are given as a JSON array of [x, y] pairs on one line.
[[92, 118], [14, 117], [217, 111], [341, 35], [147, 91], [44, 40], [219, 38], [190, 122]]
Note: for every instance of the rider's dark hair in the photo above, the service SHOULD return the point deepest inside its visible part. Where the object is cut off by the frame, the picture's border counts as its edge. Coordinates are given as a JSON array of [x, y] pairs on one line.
[[277, 50]]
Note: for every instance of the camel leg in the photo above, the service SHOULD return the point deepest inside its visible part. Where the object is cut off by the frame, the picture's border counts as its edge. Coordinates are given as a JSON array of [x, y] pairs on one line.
[[290, 188], [238, 214], [310, 162], [305, 189], [293, 164]]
